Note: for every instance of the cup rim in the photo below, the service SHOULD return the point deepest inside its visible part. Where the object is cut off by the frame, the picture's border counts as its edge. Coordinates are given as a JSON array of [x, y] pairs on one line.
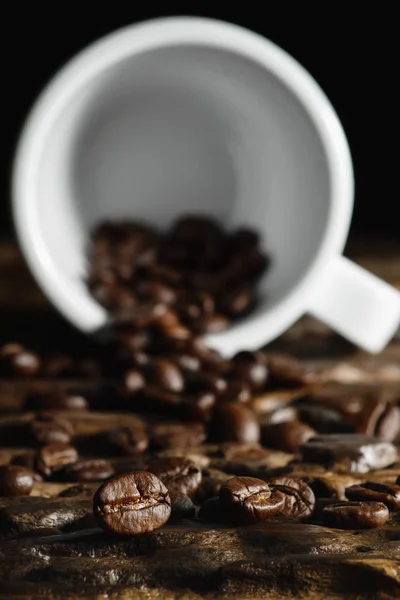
[[151, 35]]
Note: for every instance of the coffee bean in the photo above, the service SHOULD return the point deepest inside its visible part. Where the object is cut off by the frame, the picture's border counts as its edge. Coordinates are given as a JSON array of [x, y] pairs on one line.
[[245, 459], [181, 476], [28, 460], [236, 391], [127, 440], [96, 469], [182, 507], [387, 493], [134, 381], [250, 500], [159, 399], [355, 515], [202, 381], [381, 419], [178, 435], [252, 368], [53, 457], [19, 362], [53, 401], [239, 302], [288, 372], [235, 422], [299, 497], [132, 339], [15, 481], [199, 407], [156, 291], [166, 374], [349, 406], [351, 452], [165, 273], [132, 503], [48, 428], [283, 414], [287, 436], [185, 361], [213, 323]]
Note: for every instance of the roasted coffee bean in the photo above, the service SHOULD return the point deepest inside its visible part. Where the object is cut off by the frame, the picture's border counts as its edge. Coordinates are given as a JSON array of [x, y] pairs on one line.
[[236, 391], [381, 419], [245, 459], [213, 323], [48, 428], [165, 273], [166, 375], [299, 497], [19, 362], [177, 435], [287, 436], [355, 515], [250, 500], [53, 457], [239, 302], [127, 440], [159, 399], [349, 406], [181, 476], [132, 503], [320, 504], [156, 291], [15, 481], [287, 372], [54, 401], [133, 339], [212, 511], [351, 452], [199, 407], [204, 382], [10, 349], [185, 361], [235, 422], [252, 368], [96, 469], [283, 414], [323, 419], [387, 493], [134, 381], [28, 460], [176, 333], [182, 507], [168, 320]]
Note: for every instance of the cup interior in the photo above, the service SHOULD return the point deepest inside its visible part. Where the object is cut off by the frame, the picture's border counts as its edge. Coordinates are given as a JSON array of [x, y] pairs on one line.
[[177, 130]]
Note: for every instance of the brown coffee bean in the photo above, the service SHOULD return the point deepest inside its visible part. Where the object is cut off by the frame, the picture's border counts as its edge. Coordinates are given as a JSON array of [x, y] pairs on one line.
[[178, 435], [236, 391], [351, 452], [379, 418], [128, 441], [287, 372], [185, 361], [355, 515], [181, 476], [287, 436], [53, 457], [48, 428], [202, 381], [132, 503], [239, 302], [280, 415], [156, 398], [251, 367], [132, 339], [245, 459], [15, 481], [96, 469], [28, 460], [166, 375], [19, 363], [299, 497], [235, 422], [55, 401], [134, 381], [165, 273], [387, 493], [199, 407], [323, 419], [156, 291], [213, 323], [348, 405], [250, 500]]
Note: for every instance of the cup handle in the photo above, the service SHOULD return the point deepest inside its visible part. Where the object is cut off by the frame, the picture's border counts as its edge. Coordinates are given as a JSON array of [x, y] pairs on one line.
[[355, 303]]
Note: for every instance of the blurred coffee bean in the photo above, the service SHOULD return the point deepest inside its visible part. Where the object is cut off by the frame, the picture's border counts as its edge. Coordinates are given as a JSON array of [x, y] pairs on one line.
[[177, 435], [127, 440], [28, 460], [181, 476], [280, 415], [199, 407], [59, 365], [379, 418], [213, 323], [287, 436], [156, 291], [49, 428], [53, 457], [10, 349], [323, 419], [166, 375], [287, 372], [236, 391], [19, 362], [387, 493], [15, 480], [185, 361], [201, 381], [239, 302], [159, 399], [88, 470], [134, 381], [235, 422], [355, 515], [250, 367], [56, 401]]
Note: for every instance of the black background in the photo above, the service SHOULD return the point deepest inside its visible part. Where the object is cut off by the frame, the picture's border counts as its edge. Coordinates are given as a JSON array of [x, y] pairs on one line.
[[353, 56]]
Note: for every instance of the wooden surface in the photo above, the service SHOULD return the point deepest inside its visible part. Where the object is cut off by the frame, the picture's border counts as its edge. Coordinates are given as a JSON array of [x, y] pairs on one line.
[[186, 561]]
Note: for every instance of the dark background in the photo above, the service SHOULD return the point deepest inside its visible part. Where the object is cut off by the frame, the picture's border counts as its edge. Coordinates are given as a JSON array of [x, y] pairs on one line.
[[353, 56]]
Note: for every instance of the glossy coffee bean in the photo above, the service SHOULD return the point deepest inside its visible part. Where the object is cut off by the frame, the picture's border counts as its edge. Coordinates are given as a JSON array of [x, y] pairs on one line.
[[235, 422], [250, 500], [134, 381], [299, 497], [96, 469], [180, 475], [251, 367], [204, 382], [177, 435], [287, 436], [48, 428], [53, 457], [351, 452], [132, 503], [54, 401], [199, 407], [236, 391], [20, 363], [213, 323], [387, 493], [185, 361], [15, 481], [127, 441], [379, 418], [166, 375], [159, 399], [355, 515]]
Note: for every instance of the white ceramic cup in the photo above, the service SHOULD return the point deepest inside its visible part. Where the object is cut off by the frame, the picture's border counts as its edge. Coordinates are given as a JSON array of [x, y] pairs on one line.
[[184, 115]]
